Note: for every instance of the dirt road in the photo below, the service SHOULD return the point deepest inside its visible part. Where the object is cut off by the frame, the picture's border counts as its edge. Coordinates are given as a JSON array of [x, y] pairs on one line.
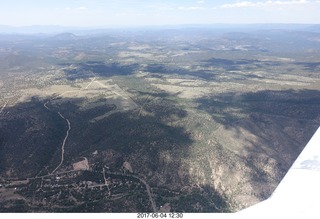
[[64, 142], [3, 107]]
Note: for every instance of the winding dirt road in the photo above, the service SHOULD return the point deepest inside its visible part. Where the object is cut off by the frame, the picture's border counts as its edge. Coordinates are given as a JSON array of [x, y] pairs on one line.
[[3, 107], [105, 180], [64, 142], [68, 122], [148, 189], [153, 203], [92, 80], [65, 138]]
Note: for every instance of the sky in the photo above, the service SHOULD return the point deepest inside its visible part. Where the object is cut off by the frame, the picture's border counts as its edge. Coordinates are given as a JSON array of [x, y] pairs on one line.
[[103, 13]]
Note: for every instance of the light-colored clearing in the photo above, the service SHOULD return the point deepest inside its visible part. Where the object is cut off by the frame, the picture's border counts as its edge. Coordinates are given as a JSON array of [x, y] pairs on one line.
[[184, 82], [81, 165], [139, 47], [127, 166], [80, 56], [9, 194], [166, 208], [185, 92], [135, 54], [283, 82]]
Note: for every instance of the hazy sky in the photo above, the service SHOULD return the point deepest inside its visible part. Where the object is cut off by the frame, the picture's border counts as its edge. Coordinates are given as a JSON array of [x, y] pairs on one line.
[[154, 12]]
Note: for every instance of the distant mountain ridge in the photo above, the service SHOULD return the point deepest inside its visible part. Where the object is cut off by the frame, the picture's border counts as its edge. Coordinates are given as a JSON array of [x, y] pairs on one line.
[[37, 29], [65, 36], [56, 29]]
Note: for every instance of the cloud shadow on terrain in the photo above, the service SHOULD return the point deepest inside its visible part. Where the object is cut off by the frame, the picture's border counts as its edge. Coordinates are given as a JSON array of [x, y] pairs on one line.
[[273, 126], [237, 65], [155, 150], [163, 69], [30, 135], [310, 66], [90, 68]]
